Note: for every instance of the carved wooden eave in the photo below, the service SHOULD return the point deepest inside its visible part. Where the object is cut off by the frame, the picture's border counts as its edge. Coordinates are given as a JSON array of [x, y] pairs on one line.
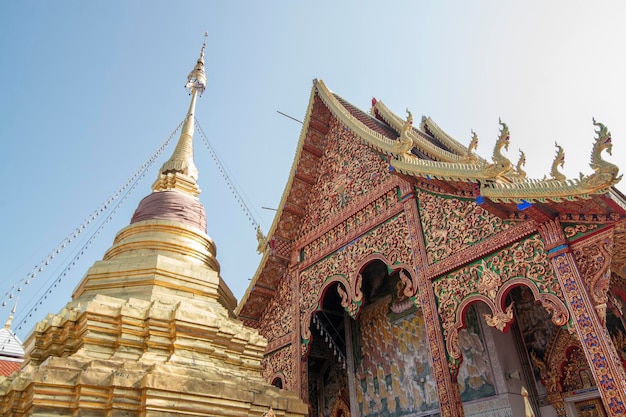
[[288, 218]]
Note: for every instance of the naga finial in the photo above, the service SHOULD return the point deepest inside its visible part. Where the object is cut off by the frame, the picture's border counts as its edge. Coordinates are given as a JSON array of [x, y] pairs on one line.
[[605, 173], [504, 135], [405, 143], [469, 155], [408, 124], [473, 143], [604, 136], [520, 163], [501, 163], [559, 161]]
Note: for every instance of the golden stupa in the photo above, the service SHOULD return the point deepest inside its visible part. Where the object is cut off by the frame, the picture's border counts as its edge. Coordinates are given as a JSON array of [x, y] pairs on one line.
[[150, 330]]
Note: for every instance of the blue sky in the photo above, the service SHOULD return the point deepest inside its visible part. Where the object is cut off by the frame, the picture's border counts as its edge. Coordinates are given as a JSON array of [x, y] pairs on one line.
[[89, 90]]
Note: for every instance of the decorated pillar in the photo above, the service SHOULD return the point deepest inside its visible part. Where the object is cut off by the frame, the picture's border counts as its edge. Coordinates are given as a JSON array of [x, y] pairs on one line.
[[300, 354], [450, 404], [601, 355]]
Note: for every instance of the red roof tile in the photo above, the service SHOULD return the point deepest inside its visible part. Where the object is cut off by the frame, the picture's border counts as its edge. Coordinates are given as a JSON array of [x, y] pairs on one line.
[[8, 367]]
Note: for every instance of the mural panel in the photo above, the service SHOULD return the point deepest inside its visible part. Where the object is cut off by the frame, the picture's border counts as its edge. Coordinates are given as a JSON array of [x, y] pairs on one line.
[[392, 363], [475, 377]]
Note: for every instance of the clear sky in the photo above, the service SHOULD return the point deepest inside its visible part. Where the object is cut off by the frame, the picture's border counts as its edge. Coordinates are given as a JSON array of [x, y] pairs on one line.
[[90, 90]]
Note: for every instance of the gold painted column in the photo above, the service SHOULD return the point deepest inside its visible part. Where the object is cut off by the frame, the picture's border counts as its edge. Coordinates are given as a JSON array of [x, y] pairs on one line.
[[450, 404], [601, 355]]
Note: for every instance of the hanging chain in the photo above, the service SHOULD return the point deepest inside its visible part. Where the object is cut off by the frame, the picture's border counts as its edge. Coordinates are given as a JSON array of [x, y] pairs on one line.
[[222, 169], [124, 191]]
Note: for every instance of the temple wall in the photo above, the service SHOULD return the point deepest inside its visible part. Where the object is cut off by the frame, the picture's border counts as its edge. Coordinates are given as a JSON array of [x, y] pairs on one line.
[[278, 327]]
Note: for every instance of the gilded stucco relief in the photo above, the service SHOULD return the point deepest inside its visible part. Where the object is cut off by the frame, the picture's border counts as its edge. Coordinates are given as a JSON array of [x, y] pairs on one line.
[[349, 170], [452, 224], [389, 241], [488, 280]]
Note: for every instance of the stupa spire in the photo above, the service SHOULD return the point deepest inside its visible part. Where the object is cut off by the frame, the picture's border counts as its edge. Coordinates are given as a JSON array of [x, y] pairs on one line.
[[180, 172], [7, 325]]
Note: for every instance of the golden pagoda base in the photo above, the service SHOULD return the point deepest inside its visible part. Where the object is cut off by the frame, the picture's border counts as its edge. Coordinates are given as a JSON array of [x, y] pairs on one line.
[[150, 332], [140, 358]]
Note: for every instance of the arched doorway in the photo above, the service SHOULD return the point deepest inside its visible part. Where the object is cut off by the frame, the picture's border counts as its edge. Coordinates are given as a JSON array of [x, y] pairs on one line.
[[328, 378]]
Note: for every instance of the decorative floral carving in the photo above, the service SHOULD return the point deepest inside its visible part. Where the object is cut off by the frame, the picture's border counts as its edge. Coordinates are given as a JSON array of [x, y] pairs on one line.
[[489, 282], [593, 257], [280, 361], [524, 261], [578, 229], [277, 319], [500, 320], [349, 170], [606, 367], [557, 311], [451, 224], [331, 235]]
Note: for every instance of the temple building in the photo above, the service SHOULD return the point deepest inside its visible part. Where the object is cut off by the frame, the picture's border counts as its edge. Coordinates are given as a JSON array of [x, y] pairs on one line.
[[405, 275], [151, 330]]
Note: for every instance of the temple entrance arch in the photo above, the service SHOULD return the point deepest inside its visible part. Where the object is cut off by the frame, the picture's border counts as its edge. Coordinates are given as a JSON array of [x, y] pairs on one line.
[[516, 314], [368, 345]]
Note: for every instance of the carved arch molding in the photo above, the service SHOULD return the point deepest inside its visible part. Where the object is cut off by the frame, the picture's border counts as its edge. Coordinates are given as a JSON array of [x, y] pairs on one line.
[[489, 280], [387, 242]]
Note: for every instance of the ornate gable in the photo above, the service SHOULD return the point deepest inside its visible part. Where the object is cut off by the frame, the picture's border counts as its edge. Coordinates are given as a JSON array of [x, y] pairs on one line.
[[348, 171]]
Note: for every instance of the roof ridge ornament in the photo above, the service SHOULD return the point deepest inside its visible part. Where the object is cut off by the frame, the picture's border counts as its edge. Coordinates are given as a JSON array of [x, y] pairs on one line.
[[605, 173], [559, 161], [501, 164], [470, 156], [405, 143]]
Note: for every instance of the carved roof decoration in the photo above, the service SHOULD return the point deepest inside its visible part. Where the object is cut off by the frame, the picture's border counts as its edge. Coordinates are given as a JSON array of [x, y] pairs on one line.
[[437, 162]]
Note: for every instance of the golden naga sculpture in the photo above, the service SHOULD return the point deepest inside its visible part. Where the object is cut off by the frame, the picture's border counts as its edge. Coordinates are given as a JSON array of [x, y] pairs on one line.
[[605, 173], [518, 174], [470, 156], [261, 239], [405, 143], [559, 161], [520, 163], [501, 164], [408, 124]]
